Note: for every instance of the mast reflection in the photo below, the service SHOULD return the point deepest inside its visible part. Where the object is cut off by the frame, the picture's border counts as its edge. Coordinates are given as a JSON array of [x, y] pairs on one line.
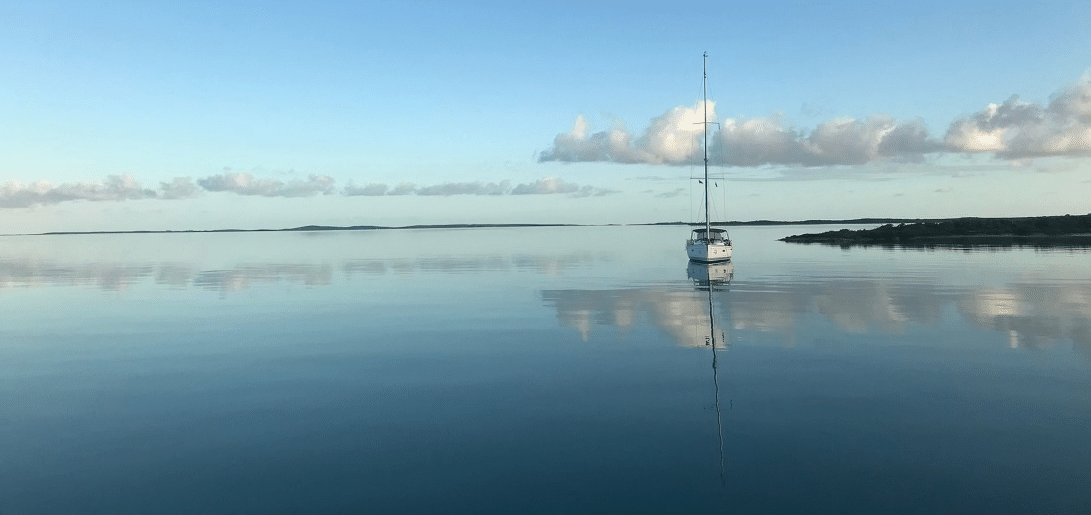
[[711, 278]]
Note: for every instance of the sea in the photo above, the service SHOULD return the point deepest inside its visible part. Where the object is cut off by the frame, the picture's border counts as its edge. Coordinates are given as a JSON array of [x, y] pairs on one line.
[[539, 370]]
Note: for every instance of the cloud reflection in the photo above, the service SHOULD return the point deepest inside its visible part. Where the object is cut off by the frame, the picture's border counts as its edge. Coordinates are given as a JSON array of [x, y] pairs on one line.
[[242, 277], [1030, 315], [116, 276], [1034, 316], [108, 276], [684, 316]]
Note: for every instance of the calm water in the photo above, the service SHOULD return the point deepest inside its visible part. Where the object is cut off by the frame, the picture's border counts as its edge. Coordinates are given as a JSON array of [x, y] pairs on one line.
[[565, 370]]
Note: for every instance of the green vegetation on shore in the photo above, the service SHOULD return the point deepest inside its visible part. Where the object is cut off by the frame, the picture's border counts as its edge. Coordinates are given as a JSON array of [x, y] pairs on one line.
[[1041, 230]]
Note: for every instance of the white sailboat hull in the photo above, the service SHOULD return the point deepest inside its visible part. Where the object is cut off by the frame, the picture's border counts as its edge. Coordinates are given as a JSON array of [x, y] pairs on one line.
[[705, 252]]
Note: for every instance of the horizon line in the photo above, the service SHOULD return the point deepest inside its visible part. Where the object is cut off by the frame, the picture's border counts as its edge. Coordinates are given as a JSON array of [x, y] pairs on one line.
[[319, 228]]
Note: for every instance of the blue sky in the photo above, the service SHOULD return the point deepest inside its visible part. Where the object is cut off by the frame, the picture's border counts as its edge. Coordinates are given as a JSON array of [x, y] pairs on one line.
[[204, 115]]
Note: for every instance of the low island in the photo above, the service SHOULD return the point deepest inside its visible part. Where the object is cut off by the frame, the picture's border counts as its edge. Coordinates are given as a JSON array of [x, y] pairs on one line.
[[1041, 231]]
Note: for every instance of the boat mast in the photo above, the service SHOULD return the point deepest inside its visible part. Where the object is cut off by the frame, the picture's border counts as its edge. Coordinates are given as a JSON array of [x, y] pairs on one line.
[[704, 101]]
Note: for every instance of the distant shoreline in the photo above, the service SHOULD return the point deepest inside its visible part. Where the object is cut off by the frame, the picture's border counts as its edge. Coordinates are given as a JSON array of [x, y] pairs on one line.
[[909, 229], [319, 228], [1044, 231]]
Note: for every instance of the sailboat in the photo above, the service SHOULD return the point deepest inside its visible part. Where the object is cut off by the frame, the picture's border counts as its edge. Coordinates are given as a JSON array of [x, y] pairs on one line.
[[708, 245]]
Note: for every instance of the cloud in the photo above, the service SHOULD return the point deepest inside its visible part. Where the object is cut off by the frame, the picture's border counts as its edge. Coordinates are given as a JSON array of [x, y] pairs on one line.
[[675, 138], [545, 186], [1011, 130], [672, 138], [404, 188], [1016, 129], [113, 188], [179, 188], [371, 190], [125, 187], [465, 188], [842, 141], [986, 130], [554, 186], [246, 184]]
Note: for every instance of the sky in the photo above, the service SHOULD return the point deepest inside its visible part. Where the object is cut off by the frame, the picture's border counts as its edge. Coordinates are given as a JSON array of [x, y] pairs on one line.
[[210, 115]]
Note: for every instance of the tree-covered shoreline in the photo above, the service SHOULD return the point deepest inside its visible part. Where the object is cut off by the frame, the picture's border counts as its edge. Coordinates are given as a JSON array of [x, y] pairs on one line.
[[1037, 231]]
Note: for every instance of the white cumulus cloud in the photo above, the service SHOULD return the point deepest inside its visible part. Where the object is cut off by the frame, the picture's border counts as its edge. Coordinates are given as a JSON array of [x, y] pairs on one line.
[[672, 138], [545, 186], [465, 188], [370, 190], [179, 188], [1015, 129], [1012, 129], [244, 183], [113, 188]]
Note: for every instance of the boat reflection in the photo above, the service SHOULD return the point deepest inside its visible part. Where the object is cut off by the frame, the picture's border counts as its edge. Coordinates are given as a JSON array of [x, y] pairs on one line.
[[710, 275]]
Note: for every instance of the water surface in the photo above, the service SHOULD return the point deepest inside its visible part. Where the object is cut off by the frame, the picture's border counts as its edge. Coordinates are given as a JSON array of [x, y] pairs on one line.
[[545, 370]]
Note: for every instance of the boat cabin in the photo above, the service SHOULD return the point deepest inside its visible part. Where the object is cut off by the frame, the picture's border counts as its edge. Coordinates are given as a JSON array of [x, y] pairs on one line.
[[710, 235]]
